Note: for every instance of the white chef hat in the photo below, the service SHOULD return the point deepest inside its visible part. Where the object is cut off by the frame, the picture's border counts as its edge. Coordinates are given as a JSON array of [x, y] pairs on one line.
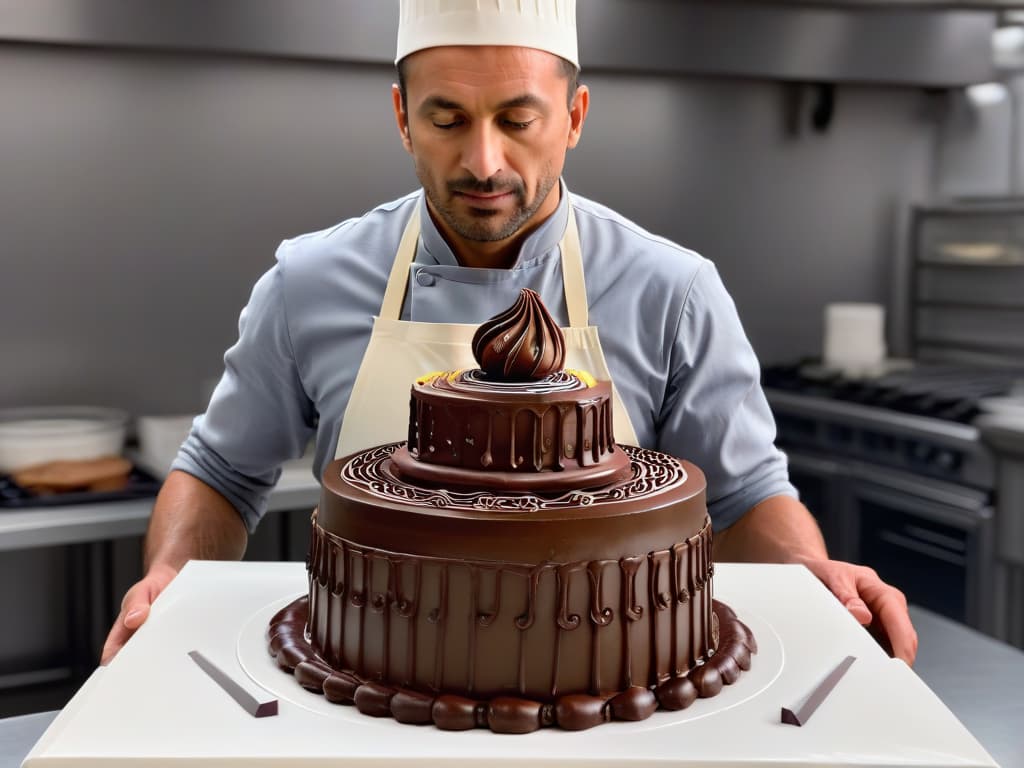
[[549, 25]]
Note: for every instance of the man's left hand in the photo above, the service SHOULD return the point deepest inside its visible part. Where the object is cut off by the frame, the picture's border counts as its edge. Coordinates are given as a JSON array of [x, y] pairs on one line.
[[781, 530], [877, 605]]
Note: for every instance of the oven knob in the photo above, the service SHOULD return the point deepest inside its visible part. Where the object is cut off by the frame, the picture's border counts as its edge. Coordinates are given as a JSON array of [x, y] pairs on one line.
[[946, 460], [919, 453]]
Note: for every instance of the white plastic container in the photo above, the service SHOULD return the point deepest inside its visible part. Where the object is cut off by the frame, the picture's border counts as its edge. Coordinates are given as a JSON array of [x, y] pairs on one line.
[[30, 436], [159, 440], [854, 338]]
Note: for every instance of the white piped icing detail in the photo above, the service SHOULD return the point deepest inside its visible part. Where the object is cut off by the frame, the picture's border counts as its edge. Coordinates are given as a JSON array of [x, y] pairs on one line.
[[653, 472]]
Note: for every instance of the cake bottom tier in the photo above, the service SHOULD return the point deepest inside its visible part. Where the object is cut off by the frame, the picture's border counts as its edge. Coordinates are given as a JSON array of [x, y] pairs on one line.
[[289, 644], [484, 628]]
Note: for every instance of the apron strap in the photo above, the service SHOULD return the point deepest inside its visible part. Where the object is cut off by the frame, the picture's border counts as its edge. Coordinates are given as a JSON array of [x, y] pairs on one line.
[[572, 274], [572, 271], [394, 294]]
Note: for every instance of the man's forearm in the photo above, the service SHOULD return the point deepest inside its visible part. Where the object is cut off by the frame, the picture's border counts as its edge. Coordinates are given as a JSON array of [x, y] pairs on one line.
[[191, 521], [778, 530]]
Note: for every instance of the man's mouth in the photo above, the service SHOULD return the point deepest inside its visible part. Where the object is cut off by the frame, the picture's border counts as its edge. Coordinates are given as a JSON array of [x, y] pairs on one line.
[[485, 195], [484, 198]]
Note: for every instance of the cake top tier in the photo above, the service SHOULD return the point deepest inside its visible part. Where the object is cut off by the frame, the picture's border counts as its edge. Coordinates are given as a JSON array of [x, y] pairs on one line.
[[523, 343]]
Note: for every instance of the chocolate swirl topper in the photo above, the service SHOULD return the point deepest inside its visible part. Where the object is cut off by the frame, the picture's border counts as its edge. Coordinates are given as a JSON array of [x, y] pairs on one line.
[[523, 343]]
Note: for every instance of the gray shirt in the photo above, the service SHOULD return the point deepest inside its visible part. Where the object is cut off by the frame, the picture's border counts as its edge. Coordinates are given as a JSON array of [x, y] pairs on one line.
[[669, 330]]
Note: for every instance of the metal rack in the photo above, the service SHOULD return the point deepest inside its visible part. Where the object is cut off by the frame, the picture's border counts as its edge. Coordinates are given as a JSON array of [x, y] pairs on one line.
[[967, 282]]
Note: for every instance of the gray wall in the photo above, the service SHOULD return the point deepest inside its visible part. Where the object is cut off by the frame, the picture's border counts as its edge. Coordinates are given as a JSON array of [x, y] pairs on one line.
[[791, 222], [981, 143], [142, 193], [141, 196]]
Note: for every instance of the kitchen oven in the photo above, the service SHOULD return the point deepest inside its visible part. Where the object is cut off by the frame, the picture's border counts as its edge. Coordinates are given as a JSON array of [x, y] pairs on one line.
[[911, 496], [893, 464]]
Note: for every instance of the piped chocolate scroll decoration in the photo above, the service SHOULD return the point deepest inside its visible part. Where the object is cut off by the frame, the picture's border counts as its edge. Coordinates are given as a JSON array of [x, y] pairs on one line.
[[523, 343], [650, 473]]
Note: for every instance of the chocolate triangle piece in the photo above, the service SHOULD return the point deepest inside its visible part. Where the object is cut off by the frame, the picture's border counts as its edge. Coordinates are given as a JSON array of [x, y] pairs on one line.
[[800, 714], [242, 697]]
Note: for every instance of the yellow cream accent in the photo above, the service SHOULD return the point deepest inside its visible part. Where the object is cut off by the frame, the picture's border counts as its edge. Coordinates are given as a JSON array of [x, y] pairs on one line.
[[583, 376], [429, 377], [454, 375]]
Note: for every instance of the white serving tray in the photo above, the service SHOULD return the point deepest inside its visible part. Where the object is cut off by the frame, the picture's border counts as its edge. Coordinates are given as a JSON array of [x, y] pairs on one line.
[[153, 707]]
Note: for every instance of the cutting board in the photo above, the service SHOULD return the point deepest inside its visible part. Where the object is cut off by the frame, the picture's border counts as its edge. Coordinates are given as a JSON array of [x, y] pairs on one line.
[[152, 706]]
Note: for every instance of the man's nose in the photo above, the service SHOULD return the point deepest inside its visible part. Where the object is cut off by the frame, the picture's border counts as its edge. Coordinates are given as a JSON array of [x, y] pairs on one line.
[[483, 155]]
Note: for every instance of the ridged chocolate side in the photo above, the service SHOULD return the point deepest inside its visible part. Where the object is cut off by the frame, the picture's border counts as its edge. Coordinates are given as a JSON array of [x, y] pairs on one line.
[[489, 629], [464, 434]]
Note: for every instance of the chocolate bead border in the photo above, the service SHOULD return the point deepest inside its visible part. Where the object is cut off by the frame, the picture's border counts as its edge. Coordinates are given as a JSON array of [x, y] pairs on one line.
[[506, 714]]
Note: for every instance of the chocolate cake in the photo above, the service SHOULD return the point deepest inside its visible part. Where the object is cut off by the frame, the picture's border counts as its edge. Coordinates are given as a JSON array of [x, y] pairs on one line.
[[510, 566]]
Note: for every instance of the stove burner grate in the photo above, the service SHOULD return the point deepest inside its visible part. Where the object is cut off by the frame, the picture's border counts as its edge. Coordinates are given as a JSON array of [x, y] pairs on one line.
[[947, 392]]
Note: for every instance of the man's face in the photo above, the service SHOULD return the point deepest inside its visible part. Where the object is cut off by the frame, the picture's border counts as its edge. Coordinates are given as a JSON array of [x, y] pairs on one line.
[[488, 128]]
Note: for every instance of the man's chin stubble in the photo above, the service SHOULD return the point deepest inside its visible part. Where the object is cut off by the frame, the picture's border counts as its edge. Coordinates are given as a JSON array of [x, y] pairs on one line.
[[477, 230]]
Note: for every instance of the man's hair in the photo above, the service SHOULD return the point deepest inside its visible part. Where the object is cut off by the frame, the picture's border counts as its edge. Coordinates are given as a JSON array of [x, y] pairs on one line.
[[568, 70]]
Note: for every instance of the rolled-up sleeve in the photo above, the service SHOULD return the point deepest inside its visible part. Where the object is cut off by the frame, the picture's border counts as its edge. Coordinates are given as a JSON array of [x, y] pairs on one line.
[[715, 409], [259, 414]]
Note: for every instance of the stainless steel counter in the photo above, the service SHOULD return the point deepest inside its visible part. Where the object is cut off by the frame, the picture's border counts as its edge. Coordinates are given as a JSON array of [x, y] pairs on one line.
[[978, 678], [18, 734]]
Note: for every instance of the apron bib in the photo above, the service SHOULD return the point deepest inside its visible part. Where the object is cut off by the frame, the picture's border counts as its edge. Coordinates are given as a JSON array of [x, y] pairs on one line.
[[401, 351]]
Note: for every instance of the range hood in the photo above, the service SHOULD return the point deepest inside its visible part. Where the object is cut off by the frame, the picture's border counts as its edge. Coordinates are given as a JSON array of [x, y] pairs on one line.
[[928, 43], [960, 5]]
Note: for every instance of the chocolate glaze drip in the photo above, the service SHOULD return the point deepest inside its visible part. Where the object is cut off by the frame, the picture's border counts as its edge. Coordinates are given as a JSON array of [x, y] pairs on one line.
[[544, 436], [503, 713], [486, 618], [439, 616], [523, 343], [565, 619]]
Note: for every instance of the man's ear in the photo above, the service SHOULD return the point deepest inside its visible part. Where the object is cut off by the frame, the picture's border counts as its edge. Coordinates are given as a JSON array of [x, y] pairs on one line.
[[578, 115], [401, 119]]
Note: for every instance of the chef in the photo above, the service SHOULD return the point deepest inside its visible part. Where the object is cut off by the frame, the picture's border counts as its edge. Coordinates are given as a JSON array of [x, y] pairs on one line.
[[488, 104]]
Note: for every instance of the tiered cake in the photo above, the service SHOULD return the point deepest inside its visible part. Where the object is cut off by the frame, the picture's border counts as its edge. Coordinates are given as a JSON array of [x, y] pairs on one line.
[[511, 566]]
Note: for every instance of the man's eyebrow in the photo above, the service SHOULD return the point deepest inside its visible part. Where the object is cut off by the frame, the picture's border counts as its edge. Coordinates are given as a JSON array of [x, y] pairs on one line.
[[527, 100], [438, 102]]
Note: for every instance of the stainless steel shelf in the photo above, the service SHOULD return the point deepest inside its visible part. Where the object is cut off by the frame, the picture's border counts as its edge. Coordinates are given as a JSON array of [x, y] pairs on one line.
[[83, 523]]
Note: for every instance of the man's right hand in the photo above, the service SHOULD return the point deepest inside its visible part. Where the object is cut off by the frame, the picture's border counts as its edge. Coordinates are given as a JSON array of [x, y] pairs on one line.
[[190, 521], [135, 608]]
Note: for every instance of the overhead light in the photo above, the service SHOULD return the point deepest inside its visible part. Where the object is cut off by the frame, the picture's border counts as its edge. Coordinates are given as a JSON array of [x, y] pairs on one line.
[[1008, 47], [986, 94]]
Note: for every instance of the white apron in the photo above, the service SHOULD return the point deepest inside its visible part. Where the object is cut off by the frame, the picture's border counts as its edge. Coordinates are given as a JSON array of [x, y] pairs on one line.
[[401, 351]]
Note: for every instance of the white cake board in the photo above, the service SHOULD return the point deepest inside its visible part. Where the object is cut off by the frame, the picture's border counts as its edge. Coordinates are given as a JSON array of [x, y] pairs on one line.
[[152, 706]]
